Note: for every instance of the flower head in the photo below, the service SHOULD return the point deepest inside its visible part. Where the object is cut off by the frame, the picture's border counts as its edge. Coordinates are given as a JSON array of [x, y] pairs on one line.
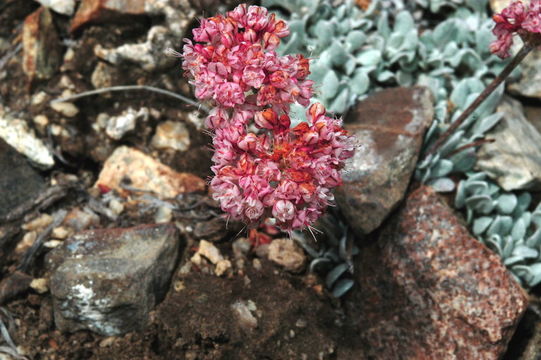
[[516, 18], [277, 171]]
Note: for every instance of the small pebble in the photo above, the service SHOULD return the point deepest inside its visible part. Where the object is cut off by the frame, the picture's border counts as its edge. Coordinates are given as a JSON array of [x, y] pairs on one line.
[[60, 232], [51, 244], [38, 223], [116, 206], [257, 264], [26, 242], [41, 285], [65, 108], [163, 215], [39, 98], [179, 286], [222, 266], [108, 341], [41, 121]]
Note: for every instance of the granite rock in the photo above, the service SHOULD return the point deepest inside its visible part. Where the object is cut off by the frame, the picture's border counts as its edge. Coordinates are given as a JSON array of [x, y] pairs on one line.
[[529, 82], [108, 280], [514, 158], [429, 290], [128, 166], [389, 127]]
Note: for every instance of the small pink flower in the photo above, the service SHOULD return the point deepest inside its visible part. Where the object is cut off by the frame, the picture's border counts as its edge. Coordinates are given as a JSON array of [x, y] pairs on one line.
[[229, 94], [515, 18], [283, 210]]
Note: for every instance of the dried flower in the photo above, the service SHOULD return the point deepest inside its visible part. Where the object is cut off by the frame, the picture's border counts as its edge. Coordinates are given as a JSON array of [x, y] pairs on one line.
[[276, 172], [515, 18]]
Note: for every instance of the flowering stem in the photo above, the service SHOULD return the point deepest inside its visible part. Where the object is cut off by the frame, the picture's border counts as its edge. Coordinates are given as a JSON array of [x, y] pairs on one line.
[[525, 50]]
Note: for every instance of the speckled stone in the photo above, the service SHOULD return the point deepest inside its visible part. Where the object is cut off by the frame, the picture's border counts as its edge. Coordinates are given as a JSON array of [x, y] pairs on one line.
[[389, 127], [108, 280], [429, 290], [131, 167], [513, 159]]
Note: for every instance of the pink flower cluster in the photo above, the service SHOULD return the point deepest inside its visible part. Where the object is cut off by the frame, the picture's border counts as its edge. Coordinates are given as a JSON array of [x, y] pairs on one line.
[[263, 168], [515, 18]]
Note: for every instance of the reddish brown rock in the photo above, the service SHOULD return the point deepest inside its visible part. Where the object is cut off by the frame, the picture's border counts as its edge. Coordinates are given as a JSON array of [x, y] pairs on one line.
[[96, 11], [127, 166], [389, 127], [429, 290], [42, 51]]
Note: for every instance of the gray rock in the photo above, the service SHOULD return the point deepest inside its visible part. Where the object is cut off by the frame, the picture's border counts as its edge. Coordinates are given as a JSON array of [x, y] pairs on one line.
[[514, 158], [429, 290], [108, 280], [529, 83], [19, 182], [389, 127], [498, 5]]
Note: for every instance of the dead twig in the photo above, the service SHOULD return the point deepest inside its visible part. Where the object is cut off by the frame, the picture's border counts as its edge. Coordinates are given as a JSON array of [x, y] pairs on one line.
[[131, 88]]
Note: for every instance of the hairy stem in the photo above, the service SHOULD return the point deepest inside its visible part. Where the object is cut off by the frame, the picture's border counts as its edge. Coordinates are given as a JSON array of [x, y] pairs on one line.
[[525, 50], [134, 87]]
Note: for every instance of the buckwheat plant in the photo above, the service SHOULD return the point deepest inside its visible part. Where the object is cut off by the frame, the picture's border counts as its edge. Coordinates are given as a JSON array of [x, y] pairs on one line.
[[516, 19], [263, 167]]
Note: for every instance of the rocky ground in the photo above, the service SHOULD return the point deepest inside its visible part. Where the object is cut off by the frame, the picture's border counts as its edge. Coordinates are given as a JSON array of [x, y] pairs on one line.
[[111, 248]]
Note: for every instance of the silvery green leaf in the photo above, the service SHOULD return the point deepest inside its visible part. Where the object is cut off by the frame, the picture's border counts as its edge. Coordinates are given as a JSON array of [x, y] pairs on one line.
[[507, 249], [444, 32], [481, 224], [536, 217], [451, 143], [383, 26], [385, 76], [487, 123], [324, 31], [329, 85], [527, 218], [403, 22], [335, 274], [360, 82], [369, 57], [495, 245], [325, 58], [394, 43], [460, 197], [512, 260], [480, 203], [342, 287], [525, 252], [464, 161], [495, 227], [450, 50], [506, 225], [507, 203], [477, 5], [535, 239], [476, 187], [519, 230], [442, 168], [442, 185], [355, 40], [318, 71], [339, 54], [524, 201], [350, 65], [460, 94], [340, 104], [491, 102]]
